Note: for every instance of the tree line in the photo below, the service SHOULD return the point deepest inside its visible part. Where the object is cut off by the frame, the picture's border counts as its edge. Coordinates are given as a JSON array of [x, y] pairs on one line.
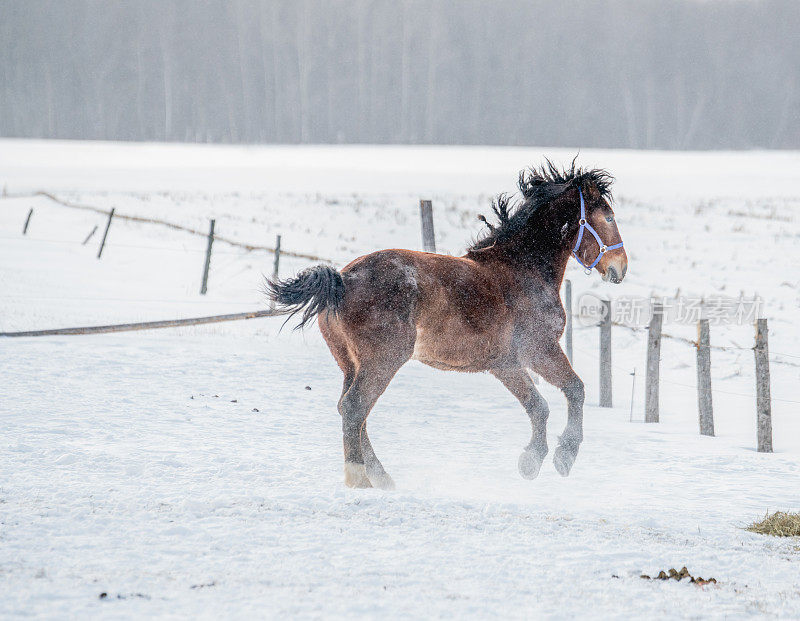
[[678, 74]]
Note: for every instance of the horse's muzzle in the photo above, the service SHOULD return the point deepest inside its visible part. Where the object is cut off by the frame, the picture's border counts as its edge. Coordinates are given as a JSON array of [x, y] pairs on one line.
[[615, 273]]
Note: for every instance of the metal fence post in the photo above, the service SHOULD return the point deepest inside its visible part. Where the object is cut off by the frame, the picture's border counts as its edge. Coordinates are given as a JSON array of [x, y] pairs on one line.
[[27, 222], [89, 236], [207, 265], [105, 233]]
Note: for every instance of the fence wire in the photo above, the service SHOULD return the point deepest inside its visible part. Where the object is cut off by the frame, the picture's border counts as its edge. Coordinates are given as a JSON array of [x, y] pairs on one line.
[[166, 224], [250, 248]]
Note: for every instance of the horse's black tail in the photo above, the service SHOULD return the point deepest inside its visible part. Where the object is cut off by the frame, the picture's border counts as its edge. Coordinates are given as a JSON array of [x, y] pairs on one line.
[[314, 290]]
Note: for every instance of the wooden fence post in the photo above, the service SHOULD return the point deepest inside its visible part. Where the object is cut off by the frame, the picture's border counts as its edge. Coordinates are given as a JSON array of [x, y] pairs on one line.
[[568, 304], [653, 363], [204, 286], [704, 404], [27, 222], [763, 403], [426, 215], [276, 266], [605, 356], [105, 234]]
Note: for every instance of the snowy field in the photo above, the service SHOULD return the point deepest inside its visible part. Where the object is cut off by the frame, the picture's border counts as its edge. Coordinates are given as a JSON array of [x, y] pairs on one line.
[[196, 472]]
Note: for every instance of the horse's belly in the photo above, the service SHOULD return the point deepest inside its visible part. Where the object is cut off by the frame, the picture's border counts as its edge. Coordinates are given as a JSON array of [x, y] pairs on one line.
[[458, 351]]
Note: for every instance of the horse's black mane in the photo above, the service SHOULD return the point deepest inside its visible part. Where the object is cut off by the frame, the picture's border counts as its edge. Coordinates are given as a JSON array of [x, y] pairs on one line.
[[538, 187]]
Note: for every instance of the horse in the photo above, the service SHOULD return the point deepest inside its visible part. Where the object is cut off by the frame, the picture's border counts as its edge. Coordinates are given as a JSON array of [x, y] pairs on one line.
[[497, 309]]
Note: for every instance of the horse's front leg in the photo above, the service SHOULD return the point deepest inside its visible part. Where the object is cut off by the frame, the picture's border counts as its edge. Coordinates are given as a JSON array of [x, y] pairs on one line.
[[571, 439], [556, 370], [520, 384]]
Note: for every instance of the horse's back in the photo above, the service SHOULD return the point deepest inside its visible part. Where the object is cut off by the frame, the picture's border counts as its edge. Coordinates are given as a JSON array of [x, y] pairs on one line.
[[448, 310], [412, 283]]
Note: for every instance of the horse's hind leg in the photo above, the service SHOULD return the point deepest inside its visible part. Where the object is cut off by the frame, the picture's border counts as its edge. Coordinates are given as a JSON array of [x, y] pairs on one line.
[[353, 476], [556, 370], [375, 472], [361, 466], [520, 384]]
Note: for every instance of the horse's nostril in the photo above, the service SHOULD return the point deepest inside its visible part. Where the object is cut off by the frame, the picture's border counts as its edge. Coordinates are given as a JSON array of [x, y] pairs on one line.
[[612, 274]]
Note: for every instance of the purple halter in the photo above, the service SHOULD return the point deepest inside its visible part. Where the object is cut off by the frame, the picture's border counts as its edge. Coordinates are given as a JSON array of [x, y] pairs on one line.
[[584, 225]]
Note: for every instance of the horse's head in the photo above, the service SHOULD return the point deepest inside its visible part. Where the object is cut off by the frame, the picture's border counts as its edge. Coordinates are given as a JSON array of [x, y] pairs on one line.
[[598, 243], [568, 207]]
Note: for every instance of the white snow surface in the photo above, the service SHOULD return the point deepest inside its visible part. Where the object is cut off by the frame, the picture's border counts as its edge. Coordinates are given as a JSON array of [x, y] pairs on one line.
[[197, 472]]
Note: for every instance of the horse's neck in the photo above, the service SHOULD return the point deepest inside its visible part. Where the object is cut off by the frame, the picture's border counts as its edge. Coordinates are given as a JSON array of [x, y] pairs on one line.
[[548, 255], [541, 251], [560, 266]]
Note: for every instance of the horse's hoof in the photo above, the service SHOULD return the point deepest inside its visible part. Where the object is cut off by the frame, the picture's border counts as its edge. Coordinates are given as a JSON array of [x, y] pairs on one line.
[[381, 480], [355, 475], [529, 464], [563, 459]]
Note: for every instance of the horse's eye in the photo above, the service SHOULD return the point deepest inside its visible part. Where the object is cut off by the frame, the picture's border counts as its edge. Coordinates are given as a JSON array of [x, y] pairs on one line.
[[609, 218]]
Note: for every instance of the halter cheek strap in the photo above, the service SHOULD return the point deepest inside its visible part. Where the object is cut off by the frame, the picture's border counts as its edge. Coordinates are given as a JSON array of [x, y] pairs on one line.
[[585, 226]]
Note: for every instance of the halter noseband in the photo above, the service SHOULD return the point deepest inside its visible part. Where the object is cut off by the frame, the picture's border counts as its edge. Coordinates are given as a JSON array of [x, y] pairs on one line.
[[584, 225]]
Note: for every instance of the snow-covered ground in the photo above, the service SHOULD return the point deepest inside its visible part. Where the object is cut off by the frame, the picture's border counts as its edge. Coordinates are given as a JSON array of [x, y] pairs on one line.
[[191, 472]]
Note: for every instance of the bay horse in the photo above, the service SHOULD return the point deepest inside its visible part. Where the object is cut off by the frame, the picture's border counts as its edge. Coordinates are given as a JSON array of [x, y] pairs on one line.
[[495, 309]]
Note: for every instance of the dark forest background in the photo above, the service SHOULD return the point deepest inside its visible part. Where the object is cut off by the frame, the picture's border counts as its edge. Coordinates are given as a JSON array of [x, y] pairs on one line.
[[674, 74]]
